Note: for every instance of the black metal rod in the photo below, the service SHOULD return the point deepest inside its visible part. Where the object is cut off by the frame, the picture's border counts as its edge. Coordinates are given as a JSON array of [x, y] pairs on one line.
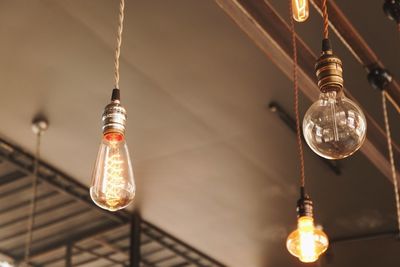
[[61, 219], [75, 238], [291, 123], [99, 256], [188, 247], [40, 212], [11, 177], [68, 255], [135, 240], [166, 258], [24, 203], [365, 237]]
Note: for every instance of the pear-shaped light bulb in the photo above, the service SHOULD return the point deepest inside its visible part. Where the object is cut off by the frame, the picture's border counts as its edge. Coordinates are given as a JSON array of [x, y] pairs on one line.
[[301, 10], [113, 185], [334, 126], [307, 242]]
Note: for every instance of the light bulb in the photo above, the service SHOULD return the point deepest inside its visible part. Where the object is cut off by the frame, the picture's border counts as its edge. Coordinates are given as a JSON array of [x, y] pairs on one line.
[[113, 186], [334, 126], [307, 242], [300, 9]]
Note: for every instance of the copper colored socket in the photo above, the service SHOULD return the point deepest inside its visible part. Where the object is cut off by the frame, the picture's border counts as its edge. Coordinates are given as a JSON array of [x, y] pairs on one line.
[[329, 72]]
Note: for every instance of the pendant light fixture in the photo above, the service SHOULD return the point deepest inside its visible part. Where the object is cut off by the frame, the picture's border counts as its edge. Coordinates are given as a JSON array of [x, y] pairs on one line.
[[307, 242], [39, 126], [392, 11], [300, 10], [334, 127], [113, 186]]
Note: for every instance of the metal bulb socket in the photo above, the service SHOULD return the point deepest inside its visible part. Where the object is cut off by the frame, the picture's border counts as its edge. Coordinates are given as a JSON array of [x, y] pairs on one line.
[[304, 207], [329, 72], [114, 116], [39, 124]]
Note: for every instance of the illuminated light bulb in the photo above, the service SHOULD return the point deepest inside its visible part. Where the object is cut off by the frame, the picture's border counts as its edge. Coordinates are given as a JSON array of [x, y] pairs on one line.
[[301, 10], [307, 242], [113, 185], [334, 127]]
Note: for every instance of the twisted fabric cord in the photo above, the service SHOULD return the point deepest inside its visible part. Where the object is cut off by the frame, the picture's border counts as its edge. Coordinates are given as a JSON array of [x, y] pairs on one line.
[[119, 42], [391, 158], [296, 99], [326, 19]]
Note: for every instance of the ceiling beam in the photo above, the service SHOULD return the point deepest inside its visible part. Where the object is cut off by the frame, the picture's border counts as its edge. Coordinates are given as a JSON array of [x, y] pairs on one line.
[[270, 32]]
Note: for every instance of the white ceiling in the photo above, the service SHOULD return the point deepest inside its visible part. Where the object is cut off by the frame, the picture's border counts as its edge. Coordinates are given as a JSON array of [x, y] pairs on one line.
[[213, 166]]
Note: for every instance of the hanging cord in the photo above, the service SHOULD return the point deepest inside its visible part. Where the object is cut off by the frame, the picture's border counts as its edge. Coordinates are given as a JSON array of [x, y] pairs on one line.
[[119, 41], [296, 103], [391, 158], [31, 220], [326, 19], [392, 101]]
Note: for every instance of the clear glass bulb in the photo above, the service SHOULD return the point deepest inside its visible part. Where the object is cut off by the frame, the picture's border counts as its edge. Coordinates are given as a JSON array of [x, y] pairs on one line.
[[113, 184], [307, 242], [300, 10], [334, 126]]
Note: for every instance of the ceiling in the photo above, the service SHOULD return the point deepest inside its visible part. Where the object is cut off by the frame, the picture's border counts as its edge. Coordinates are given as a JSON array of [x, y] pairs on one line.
[[213, 165]]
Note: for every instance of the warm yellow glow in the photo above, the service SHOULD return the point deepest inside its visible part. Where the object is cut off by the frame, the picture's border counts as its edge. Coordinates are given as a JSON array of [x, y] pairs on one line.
[[115, 182], [113, 185], [300, 10], [307, 243]]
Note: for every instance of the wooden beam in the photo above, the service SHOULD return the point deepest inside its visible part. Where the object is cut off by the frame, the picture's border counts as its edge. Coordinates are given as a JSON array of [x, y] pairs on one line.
[[270, 32]]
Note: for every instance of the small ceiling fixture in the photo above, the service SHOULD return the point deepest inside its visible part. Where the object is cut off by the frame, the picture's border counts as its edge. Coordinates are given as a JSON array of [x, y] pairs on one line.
[[334, 127], [300, 10], [113, 186], [307, 242]]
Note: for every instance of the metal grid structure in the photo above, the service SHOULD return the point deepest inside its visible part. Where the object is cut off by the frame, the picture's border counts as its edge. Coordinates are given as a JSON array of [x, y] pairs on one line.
[[70, 230]]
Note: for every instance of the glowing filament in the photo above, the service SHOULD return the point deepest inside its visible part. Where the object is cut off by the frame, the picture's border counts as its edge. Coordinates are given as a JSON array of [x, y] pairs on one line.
[[300, 10]]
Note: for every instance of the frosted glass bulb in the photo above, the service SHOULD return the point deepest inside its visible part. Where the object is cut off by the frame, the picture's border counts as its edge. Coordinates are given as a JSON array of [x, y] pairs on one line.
[[334, 126], [300, 10], [307, 242], [113, 185]]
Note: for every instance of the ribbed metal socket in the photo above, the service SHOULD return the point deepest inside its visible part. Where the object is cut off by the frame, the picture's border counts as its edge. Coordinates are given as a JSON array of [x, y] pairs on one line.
[[114, 118], [329, 72], [304, 207]]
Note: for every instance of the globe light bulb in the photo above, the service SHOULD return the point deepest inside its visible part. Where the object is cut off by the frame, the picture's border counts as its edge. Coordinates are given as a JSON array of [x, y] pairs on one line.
[[334, 127], [113, 185], [307, 242], [300, 9]]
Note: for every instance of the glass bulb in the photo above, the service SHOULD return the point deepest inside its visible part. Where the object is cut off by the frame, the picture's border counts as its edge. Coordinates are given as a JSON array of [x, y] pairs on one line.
[[334, 126], [307, 242], [113, 185], [300, 10]]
